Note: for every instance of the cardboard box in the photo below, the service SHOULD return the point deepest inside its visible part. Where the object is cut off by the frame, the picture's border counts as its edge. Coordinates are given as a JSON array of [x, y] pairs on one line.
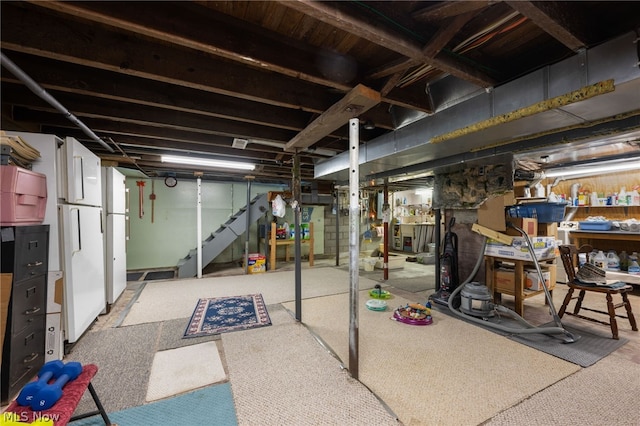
[[54, 348], [532, 280], [548, 229], [528, 225], [54, 292], [504, 281], [491, 212], [257, 263], [544, 248]]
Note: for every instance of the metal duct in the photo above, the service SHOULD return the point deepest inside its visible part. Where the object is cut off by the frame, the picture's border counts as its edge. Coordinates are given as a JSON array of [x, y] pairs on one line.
[[485, 116], [43, 94]]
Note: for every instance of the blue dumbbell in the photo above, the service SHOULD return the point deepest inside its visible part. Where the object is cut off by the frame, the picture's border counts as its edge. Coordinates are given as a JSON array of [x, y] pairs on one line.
[[50, 394], [49, 370]]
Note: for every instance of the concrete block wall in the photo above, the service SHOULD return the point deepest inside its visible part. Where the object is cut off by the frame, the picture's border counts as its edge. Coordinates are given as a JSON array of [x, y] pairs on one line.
[[330, 236]]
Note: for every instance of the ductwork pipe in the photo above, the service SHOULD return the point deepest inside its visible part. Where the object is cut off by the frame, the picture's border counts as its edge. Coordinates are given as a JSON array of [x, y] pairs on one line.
[[43, 94]]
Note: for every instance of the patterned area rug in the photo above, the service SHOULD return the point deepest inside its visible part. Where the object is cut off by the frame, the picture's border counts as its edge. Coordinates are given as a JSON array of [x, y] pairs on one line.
[[224, 314]]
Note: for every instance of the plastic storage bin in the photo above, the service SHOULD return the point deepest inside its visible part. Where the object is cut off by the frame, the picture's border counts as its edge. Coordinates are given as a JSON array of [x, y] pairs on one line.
[[23, 196], [544, 212], [592, 225]]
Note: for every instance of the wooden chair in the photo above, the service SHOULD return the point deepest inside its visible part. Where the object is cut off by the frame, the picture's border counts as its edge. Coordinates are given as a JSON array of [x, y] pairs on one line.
[[569, 255]]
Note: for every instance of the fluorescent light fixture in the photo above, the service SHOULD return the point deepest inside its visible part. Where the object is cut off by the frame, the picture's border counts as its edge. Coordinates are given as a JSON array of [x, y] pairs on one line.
[[604, 168], [424, 191], [195, 161]]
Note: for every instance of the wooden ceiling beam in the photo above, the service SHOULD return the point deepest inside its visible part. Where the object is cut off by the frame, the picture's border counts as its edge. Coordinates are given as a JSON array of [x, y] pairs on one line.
[[183, 26], [163, 63], [101, 84], [325, 13], [141, 114], [446, 32], [447, 9], [359, 100], [554, 19], [190, 25]]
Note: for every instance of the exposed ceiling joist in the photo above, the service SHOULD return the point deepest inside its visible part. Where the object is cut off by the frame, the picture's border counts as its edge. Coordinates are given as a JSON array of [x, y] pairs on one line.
[[358, 101], [189, 77], [550, 18], [389, 40]]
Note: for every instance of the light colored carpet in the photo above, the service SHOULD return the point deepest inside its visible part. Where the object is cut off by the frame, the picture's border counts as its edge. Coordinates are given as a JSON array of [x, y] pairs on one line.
[[447, 373], [179, 370], [276, 287], [280, 375], [607, 394]]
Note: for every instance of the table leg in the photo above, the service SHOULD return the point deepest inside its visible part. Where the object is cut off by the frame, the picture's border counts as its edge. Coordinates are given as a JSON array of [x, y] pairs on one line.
[[273, 249], [519, 288]]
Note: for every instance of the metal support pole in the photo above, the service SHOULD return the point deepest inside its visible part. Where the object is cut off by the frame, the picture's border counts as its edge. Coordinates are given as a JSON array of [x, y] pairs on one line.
[[337, 227], [437, 237], [248, 212], [386, 212], [297, 192], [199, 224], [354, 242]]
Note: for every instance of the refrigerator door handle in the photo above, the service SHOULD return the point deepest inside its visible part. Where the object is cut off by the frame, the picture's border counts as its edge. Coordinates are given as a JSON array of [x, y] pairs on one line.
[[127, 234], [77, 240], [127, 203], [79, 177]]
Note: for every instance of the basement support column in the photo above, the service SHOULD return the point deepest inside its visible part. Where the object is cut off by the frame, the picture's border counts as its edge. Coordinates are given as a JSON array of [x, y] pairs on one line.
[[199, 222], [248, 212], [437, 237], [354, 242], [337, 225], [296, 189], [385, 219]]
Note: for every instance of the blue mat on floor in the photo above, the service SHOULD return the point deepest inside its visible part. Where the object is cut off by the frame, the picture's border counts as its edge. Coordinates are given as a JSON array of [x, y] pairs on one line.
[[212, 405]]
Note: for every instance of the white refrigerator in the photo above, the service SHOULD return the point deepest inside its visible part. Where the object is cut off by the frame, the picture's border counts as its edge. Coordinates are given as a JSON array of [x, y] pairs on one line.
[[74, 213], [116, 206]]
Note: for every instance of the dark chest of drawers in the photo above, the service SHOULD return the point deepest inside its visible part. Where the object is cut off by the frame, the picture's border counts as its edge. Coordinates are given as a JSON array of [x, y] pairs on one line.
[[25, 256]]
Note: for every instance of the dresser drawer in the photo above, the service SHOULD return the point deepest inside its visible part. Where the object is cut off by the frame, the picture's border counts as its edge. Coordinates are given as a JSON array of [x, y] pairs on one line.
[[31, 253], [27, 356], [28, 303], [25, 251]]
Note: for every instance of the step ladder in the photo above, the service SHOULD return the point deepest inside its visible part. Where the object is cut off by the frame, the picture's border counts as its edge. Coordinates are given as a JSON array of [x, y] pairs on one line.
[[222, 238]]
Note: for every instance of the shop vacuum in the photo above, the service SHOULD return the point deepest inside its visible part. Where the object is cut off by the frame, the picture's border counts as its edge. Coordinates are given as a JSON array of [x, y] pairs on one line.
[[473, 302]]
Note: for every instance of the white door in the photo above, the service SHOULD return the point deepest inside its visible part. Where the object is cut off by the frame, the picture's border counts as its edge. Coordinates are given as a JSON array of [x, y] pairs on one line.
[[84, 278], [116, 257], [83, 174]]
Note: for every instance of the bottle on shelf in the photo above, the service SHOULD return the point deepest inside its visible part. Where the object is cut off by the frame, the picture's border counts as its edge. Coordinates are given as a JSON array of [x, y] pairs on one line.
[[600, 260], [624, 261], [634, 268], [613, 261], [622, 197]]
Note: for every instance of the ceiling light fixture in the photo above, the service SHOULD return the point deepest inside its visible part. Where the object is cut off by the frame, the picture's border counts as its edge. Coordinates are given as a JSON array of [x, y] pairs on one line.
[[196, 161], [603, 168]]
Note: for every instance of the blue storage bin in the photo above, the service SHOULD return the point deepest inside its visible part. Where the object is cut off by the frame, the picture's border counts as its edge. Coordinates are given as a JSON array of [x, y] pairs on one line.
[[592, 225], [544, 212]]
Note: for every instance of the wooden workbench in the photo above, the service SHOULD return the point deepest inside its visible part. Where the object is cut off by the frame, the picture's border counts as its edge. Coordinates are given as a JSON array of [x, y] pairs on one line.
[[274, 243], [492, 263]]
